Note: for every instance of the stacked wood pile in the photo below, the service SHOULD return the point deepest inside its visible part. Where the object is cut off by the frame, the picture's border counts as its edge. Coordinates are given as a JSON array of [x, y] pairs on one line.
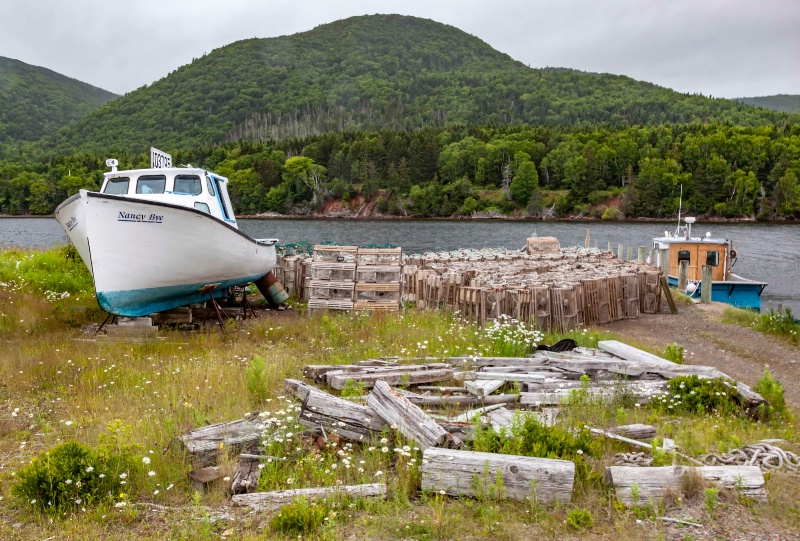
[[558, 291], [332, 280], [379, 277], [546, 379]]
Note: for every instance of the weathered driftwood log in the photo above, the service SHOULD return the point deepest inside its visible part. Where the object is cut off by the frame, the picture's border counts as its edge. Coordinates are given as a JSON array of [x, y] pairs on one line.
[[636, 431], [468, 473], [653, 483], [442, 389], [269, 501], [246, 477], [394, 377], [469, 416], [409, 419], [339, 416], [510, 376], [204, 443]]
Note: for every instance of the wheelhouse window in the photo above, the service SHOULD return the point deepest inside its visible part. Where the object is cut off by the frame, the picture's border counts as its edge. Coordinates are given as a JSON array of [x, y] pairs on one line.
[[210, 186], [187, 184], [151, 184], [684, 255], [202, 207], [712, 258], [117, 186]]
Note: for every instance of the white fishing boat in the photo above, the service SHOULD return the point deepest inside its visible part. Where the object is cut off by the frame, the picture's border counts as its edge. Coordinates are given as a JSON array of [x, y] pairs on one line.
[[160, 238]]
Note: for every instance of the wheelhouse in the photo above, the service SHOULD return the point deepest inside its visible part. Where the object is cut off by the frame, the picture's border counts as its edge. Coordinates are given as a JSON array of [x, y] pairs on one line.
[[194, 188]]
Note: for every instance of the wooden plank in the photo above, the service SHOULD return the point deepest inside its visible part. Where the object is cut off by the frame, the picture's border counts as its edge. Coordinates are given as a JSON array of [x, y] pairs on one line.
[[245, 479], [339, 416], [270, 501], [510, 376], [392, 378], [463, 401], [204, 443], [296, 388], [409, 419], [636, 431], [466, 473], [652, 483], [483, 387], [468, 416], [203, 477], [668, 295], [632, 354]]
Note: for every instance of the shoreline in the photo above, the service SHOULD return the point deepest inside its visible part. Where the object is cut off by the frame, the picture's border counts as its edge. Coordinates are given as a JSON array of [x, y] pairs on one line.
[[470, 219]]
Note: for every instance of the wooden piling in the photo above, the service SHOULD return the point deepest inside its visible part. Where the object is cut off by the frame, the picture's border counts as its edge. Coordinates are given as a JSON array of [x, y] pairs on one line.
[[705, 285], [642, 255], [683, 276]]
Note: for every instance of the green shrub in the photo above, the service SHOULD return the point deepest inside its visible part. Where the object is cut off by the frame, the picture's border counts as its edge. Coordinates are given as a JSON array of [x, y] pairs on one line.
[[579, 519], [612, 213], [772, 391], [256, 375], [780, 324], [690, 394], [301, 517], [674, 353], [527, 437], [66, 478]]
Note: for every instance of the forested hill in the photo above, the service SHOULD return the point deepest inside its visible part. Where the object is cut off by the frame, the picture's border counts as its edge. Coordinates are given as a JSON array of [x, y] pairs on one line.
[[786, 103], [374, 72], [35, 101]]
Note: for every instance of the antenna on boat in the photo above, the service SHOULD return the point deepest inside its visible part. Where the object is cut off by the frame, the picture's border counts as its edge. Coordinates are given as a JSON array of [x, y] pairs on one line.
[[680, 206]]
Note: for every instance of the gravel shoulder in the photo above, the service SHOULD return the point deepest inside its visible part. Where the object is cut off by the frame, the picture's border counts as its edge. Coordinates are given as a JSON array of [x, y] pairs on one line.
[[740, 352]]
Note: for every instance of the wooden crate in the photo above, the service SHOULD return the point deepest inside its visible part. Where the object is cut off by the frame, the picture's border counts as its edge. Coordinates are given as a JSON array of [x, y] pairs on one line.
[[321, 304], [378, 274], [330, 290], [335, 254], [324, 270], [382, 306], [377, 292], [380, 256]]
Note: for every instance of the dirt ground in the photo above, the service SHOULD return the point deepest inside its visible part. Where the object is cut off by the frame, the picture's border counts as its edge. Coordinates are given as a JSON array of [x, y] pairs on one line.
[[740, 352]]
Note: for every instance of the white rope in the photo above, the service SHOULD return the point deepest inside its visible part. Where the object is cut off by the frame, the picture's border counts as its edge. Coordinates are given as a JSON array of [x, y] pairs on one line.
[[766, 456]]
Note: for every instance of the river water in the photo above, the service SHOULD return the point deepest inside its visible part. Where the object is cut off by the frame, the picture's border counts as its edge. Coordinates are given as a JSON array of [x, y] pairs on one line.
[[767, 252]]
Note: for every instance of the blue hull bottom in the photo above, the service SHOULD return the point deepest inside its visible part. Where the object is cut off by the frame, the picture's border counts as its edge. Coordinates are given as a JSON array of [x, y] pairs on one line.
[[142, 302], [739, 294]]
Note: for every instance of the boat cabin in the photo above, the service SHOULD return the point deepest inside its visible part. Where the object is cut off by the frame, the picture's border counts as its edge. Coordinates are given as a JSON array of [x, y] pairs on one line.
[[698, 251], [194, 188]]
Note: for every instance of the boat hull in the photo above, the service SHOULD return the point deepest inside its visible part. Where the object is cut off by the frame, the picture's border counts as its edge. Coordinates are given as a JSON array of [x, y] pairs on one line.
[[740, 293], [147, 257], [71, 217]]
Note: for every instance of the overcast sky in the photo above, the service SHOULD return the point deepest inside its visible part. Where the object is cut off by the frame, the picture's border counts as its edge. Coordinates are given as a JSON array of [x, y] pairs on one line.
[[724, 48]]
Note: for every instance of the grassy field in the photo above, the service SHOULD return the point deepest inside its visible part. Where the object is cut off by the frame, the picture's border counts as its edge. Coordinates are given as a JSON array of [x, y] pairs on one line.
[[126, 402]]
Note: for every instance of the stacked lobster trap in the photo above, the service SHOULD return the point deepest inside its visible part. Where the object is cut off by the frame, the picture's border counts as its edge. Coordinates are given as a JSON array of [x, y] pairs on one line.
[[353, 278]]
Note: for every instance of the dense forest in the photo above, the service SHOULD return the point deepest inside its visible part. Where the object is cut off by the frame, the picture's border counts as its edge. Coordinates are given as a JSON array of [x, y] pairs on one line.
[[786, 103], [610, 173], [396, 115], [374, 72], [35, 101]]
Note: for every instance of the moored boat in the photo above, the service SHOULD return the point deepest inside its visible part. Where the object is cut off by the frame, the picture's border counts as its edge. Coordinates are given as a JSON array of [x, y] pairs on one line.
[[159, 238], [719, 254]]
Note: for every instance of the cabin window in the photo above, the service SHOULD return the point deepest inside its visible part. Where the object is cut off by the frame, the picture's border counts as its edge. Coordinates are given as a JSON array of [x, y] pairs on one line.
[[684, 255], [202, 207], [210, 186], [188, 184], [712, 258], [117, 186], [150, 184]]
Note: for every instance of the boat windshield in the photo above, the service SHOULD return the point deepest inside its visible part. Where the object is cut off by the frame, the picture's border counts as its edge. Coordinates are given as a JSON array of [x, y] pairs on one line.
[[117, 186], [150, 184], [188, 184]]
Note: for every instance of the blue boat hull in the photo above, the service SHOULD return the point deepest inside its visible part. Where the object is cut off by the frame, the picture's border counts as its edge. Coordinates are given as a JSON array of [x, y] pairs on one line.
[[745, 295], [142, 302]]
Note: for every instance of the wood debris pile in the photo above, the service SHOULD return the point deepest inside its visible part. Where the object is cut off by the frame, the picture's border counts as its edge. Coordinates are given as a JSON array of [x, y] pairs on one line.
[[402, 394]]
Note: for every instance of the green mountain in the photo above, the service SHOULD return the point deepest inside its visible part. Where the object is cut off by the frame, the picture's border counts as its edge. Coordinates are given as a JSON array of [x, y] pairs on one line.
[[376, 71], [35, 101], [785, 103]]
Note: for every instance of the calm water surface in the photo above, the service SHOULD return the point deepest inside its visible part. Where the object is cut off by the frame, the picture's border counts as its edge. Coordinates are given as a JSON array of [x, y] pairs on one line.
[[766, 252]]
